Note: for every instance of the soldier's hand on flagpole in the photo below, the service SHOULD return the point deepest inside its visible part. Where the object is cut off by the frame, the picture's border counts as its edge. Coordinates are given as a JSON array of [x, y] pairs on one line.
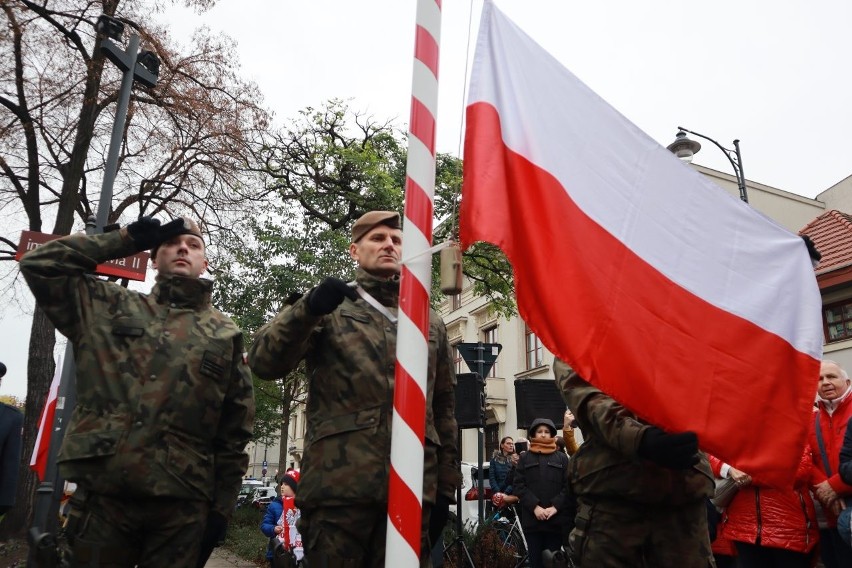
[[330, 293], [675, 451], [812, 250]]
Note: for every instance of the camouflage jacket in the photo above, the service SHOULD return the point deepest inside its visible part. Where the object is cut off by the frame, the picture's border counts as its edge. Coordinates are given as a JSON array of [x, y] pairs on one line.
[[165, 403], [607, 465], [350, 357]]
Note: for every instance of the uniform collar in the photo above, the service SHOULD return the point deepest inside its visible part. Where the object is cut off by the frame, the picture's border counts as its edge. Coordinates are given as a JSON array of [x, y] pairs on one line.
[[385, 290], [183, 292]]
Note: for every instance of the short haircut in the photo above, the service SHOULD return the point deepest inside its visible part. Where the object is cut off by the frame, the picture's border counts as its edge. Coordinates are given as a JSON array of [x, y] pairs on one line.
[[836, 364]]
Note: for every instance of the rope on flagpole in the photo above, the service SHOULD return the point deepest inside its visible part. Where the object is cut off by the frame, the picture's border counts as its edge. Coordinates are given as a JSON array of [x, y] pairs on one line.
[[405, 488]]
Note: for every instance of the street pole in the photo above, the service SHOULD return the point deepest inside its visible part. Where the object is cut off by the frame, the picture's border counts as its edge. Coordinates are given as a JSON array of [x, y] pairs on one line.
[[117, 131], [50, 490]]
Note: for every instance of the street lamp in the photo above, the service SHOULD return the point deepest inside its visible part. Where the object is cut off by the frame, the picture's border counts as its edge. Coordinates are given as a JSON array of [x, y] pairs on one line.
[[140, 66], [684, 148]]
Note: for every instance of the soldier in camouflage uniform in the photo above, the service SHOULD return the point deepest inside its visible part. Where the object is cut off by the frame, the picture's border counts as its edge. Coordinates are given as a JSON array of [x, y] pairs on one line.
[[641, 492], [165, 404], [349, 347]]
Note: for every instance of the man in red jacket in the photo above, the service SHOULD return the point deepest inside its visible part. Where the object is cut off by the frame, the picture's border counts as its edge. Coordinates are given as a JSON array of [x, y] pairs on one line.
[[834, 408]]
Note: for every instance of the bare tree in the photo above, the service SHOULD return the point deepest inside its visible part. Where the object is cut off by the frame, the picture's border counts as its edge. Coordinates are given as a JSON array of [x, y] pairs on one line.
[[185, 147]]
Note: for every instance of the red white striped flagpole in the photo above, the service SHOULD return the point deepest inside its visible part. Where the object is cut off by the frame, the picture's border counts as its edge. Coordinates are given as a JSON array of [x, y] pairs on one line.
[[405, 491]]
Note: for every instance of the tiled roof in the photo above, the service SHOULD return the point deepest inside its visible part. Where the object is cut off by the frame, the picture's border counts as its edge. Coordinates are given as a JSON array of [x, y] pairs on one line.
[[831, 232]]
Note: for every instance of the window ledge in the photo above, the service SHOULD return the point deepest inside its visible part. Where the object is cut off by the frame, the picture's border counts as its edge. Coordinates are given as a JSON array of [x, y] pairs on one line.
[[541, 369], [837, 345]]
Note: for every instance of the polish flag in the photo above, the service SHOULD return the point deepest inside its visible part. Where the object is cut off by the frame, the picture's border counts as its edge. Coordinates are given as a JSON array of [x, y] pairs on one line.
[[680, 301], [41, 450]]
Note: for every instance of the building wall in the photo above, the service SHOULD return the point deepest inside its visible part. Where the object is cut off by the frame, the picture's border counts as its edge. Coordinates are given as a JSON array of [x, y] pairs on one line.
[[838, 196], [788, 209]]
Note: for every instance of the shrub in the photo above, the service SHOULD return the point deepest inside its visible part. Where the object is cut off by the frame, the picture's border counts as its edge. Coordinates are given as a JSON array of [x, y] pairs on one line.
[[485, 545], [244, 537]]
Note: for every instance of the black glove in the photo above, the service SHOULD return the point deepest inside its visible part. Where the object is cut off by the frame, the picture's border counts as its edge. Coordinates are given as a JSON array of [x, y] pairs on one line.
[[812, 250], [147, 232], [328, 295], [677, 451], [214, 535]]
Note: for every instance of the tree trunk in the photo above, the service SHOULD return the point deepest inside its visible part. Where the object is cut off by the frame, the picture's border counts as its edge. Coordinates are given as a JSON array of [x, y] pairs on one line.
[[286, 406], [40, 369]]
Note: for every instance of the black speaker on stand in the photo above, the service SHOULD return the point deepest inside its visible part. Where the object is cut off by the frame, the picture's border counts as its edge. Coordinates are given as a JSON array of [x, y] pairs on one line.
[[470, 400], [470, 413], [538, 398]]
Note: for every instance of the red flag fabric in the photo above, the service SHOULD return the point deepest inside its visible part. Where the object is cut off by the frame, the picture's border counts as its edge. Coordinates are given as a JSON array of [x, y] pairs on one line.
[[689, 307], [38, 461]]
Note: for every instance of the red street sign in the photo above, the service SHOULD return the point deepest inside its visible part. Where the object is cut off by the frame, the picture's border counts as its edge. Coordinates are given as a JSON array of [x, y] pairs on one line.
[[130, 267]]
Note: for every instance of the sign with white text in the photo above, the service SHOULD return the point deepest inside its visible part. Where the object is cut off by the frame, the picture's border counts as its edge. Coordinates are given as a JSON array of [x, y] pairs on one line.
[[130, 267]]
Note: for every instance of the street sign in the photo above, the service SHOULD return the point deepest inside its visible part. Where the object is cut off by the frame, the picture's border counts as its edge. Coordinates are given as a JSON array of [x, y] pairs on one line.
[[130, 267], [480, 356]]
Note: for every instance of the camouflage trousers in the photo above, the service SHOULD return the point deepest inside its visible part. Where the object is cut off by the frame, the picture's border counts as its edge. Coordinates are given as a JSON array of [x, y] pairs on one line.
[[352, 536], [611, 534], [119, 532]]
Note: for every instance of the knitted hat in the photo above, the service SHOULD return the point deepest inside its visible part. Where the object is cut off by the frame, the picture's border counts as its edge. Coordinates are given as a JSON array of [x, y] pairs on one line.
[[291, 478]]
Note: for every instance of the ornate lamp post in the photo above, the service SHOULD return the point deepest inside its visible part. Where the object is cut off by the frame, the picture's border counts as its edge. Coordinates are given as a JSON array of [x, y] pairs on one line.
[[685, 149]]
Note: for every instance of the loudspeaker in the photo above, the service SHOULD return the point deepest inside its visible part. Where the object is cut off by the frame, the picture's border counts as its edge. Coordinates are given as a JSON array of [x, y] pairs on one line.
[[538, 398], [470, 400]]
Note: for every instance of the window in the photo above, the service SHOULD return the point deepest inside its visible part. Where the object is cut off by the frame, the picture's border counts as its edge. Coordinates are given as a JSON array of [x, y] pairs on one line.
[[455, 301], [535, 352], [837, 319], [492, 440], [489, 335], [458, 362]]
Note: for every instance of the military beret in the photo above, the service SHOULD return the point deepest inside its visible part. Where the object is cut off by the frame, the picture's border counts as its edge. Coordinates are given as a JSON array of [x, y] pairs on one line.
[[369, 220], [190, 227]]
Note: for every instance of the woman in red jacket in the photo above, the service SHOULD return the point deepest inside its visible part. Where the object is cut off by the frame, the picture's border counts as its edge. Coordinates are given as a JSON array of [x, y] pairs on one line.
[[773, 527]]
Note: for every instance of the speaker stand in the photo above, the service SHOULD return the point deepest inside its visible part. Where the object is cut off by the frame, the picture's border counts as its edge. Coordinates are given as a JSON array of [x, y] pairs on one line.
[[458, 542]]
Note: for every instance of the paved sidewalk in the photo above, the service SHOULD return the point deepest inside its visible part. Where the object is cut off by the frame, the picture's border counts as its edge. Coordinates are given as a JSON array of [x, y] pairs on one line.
[[224, 558]]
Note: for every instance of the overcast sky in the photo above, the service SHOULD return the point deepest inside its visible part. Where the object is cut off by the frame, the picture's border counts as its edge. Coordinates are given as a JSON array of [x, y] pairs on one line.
[[774, 74]]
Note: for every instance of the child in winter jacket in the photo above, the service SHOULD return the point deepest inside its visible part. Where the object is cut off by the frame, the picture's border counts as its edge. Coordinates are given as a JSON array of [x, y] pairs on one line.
[[280, 521]]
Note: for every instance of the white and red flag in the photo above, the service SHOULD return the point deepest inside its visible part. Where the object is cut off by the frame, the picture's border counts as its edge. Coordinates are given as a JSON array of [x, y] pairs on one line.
[[682, 302], [41, 450]]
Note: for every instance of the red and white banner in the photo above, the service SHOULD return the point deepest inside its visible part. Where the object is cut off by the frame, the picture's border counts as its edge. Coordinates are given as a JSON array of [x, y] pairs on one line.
[[689, 307], [38, 461]]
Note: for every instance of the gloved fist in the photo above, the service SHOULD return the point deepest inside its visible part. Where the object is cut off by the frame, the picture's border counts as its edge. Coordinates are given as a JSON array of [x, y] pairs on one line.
[[147, 232], [328, 295], [812, 250], [676, 451]]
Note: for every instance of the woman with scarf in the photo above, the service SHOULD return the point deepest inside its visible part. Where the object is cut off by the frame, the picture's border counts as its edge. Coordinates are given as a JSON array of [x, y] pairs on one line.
[[500, 465], [541, 484]]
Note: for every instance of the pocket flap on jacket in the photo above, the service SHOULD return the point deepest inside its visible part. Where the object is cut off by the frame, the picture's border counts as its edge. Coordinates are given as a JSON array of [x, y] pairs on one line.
[[92, 444], [128, 327], [361, 420], [358, 316]]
